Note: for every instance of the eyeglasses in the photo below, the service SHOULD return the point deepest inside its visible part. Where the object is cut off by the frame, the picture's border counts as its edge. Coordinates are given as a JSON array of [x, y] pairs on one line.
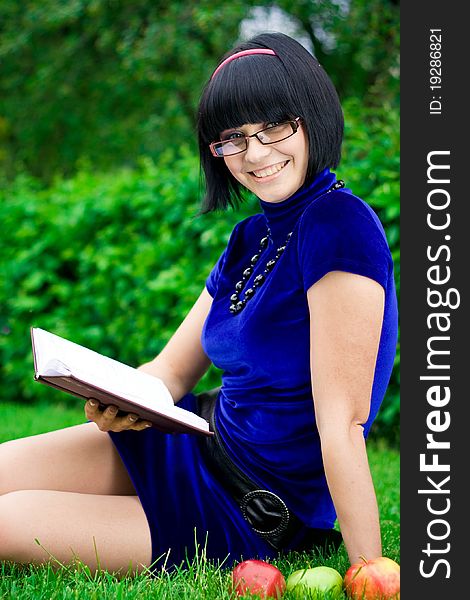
[[237, 142]]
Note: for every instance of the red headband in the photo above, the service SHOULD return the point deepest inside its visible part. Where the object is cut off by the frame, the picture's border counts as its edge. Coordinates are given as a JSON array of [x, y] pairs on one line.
[[243, 53]]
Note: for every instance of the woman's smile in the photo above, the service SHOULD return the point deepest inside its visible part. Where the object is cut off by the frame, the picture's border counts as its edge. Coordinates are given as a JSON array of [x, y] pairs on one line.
[[268, 173]]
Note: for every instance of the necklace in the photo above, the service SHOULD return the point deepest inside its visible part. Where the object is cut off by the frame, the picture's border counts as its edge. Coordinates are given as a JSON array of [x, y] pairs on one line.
[[237, 304]]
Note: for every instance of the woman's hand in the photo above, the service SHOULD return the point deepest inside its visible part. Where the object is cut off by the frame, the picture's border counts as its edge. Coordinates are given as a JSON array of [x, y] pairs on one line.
[[109, 420]]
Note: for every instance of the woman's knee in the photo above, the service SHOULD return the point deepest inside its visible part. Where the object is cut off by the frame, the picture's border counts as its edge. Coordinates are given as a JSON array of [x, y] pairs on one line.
[[16, 465], [13, 516], [8, 456]]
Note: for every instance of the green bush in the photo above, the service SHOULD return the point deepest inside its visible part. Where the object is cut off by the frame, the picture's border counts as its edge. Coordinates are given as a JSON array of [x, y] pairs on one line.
[[114, 261], [111, 261]]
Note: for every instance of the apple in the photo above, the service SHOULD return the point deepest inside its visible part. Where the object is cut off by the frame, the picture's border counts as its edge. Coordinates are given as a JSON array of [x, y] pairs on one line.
[[373, 579], [258, 577], [317, 579]]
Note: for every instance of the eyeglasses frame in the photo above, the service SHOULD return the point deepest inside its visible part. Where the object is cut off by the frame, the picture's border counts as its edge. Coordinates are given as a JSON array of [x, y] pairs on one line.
[[295, 126]]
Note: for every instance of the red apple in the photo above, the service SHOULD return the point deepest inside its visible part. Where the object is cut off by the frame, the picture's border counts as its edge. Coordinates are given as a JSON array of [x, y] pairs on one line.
[[258, 577], [374, 579]]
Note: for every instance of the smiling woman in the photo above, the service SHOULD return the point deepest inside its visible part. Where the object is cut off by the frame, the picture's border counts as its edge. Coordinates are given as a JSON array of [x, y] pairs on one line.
[[299, 313]]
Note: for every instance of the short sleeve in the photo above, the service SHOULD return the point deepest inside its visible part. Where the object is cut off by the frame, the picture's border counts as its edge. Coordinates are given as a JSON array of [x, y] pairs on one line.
[[342, 233]]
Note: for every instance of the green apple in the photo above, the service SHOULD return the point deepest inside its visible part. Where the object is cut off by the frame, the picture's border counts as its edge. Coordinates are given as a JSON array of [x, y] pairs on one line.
[[318, 579]]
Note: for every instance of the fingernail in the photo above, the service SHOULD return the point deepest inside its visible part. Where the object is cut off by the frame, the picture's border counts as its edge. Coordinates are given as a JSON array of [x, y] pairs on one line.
[[148, 424], [131, 418], [91, 403]]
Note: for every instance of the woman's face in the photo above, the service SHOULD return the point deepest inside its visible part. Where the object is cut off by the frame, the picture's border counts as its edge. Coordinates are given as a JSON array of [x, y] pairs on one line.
[[273, 172]]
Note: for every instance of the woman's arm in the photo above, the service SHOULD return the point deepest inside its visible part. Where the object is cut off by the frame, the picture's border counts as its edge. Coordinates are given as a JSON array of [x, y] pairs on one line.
[[346, 312], [180, 365], [182, 362]]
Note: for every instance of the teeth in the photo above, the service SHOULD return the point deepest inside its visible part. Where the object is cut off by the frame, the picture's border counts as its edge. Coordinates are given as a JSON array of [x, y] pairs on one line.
[[270, 170]]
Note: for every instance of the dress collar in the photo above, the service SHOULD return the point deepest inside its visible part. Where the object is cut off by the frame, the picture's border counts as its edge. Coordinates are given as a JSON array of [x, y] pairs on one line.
[[281, 217]]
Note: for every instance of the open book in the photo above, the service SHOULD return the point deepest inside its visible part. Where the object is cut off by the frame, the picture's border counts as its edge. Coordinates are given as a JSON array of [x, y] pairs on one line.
[[87, 374]]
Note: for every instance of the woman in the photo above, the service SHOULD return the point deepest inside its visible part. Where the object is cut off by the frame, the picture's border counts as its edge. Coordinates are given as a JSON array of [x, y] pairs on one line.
[[300, 313]]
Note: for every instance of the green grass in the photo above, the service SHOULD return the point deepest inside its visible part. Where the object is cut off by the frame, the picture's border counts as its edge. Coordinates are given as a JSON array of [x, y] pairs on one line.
[[21, 420], [199, 580]]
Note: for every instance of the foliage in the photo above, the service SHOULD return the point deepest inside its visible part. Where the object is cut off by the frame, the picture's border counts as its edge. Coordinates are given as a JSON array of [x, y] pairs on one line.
[[114, 261], [111, 261], [357, 43], [104, 79], [110, 80]]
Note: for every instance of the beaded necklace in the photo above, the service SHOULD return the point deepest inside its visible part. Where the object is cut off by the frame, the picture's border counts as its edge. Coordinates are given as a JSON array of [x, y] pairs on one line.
[[238, 305]]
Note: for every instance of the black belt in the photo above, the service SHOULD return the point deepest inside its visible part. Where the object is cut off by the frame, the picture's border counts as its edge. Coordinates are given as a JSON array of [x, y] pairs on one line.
[[264, 510]]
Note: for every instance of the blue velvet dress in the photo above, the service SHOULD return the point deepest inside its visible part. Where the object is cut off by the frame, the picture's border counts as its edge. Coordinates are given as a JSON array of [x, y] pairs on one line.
[[265, 412]]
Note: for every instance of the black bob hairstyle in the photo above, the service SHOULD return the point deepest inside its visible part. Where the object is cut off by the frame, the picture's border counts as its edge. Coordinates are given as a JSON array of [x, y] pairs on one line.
[[263, 88]]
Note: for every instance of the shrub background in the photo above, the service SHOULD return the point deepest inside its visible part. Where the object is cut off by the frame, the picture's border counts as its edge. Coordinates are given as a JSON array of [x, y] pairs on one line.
[[114, 260]]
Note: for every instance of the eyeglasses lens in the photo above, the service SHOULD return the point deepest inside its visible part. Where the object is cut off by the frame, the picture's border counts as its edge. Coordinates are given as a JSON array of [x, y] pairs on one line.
[[270, 135], [276, 134], [231, 147]]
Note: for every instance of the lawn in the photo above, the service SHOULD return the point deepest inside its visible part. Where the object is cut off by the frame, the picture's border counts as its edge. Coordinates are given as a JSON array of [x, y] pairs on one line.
[[199, 580]]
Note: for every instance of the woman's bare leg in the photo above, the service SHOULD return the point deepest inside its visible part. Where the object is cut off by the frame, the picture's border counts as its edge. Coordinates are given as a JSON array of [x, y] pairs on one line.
[[107, 532], [76, 459], [68, 488]]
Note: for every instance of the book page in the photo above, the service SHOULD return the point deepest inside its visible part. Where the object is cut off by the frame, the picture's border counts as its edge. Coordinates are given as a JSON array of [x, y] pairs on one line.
[[52, 351]]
